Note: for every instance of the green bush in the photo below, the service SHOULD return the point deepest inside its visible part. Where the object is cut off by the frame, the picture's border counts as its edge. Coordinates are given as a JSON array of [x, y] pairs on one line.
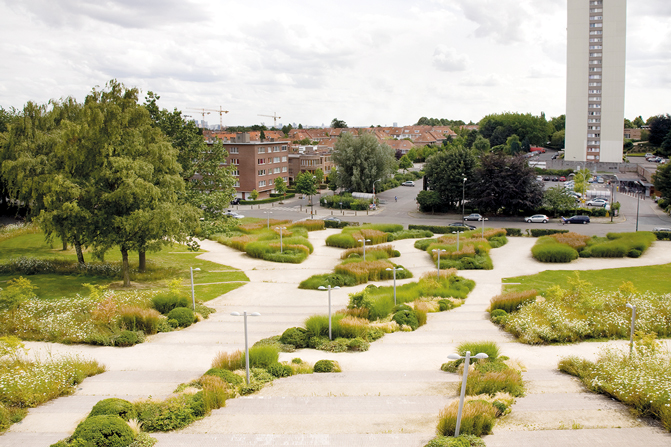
[[461, 441], [488, 347], [126, 338], [444, 305], [331, 279], [166, 301], [435, 228], [406, 317], [499, 316], [296, 336], [538, 232], [477, 419], [225, 375], [279, 370], [341, 224], [663, 235], [104, 431], [326, 366], [358, 344], [514, 232], [262, 356], [547, 249], [183, 315], [114, 407], [170, 414], [408, 234], [5, 420]]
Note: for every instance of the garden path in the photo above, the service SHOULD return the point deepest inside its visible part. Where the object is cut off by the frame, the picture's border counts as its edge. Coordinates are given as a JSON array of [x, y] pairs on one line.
[[388, 396]]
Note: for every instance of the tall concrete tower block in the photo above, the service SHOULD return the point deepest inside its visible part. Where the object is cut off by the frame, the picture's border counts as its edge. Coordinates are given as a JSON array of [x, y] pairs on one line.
[[595, 76]]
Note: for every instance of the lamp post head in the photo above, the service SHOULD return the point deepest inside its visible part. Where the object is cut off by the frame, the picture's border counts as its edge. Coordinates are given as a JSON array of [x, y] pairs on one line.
[[631, 306], [197, 269], [465, 179], [454, 357], [236, 314], [481, 356]]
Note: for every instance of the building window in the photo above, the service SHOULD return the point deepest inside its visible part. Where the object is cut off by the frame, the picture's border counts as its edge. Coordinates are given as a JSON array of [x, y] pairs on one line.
[[595, 54], [235, 173], [593, 69], [284, 148], [596, 39], [262, 172], [276, 160], [595, 91], [284, 159], [276, 149], [284, 169], [286, 179], [595, 32], [276, 171], [235, 161], [595, 106], [596, 47], [233, 150], [595, 62], [262, 150], [262, 183], [594, 98], [595, 76], [236, 184], [261, 161], [596, 25], [596, 18]]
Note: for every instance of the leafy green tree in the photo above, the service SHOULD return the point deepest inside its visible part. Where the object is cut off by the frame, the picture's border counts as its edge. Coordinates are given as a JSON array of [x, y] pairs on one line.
[[581, 180], [254, 194], [558, 139], [558, 199], [281, 186], [361, 161], [662, 180], [481, 144], [429, 200], [306, 183], [513, 146], [286, 129], [412, 155], [526, 146], [136, 176], [17, 291], [338, 124], [445, 172], [628, 124], [666, 145], [332, 180], [497, 128], [404, 163], [319, 174], [471, 137], [558, 123], [660, 126], [505, 184], [638, 122]]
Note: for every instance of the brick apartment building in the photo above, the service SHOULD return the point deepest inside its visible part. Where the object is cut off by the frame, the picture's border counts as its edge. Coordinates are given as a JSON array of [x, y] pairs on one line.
[[309, 161], [257, 164]]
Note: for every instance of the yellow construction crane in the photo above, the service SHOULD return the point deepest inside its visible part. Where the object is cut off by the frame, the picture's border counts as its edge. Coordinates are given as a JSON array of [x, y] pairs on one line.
[[204, 112], [274, 117]]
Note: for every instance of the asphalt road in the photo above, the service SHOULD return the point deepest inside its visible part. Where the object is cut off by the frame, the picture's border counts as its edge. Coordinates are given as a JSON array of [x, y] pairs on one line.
[[405, 212]]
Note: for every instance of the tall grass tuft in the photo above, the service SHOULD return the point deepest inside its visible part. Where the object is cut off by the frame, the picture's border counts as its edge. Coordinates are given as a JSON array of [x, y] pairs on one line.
[[477, 418], [215, 392], [228, 360], [512, 301], [135, 318], [388, 249], [262, 356], [488, 347]]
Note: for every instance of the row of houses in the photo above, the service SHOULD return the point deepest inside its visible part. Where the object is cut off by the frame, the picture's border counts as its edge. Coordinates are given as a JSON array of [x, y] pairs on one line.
[[258, 163]]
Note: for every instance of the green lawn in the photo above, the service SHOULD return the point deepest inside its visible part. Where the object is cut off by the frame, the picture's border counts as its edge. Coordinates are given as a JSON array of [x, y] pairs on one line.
[[171, 262], [654, 278]]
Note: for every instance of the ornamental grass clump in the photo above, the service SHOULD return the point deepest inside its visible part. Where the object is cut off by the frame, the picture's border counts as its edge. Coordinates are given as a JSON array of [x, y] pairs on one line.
[[641, 380], [228, 360], [548, 249], [477, 418], [511, 301], [388, 249]]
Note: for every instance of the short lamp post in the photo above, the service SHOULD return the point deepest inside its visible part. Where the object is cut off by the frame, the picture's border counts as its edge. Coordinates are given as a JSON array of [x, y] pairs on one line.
[[467, 361], [340, 207], [394, 270], [245, 314], [329, 288], [193, 294], [631, 332], [483, 226], [438, 252], [280, 228], [463, 198], [364, 247], [459, 232], [268, 213]]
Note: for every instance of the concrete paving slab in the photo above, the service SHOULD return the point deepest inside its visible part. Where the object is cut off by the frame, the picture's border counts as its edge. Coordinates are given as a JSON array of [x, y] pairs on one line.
[[331, 440], [625, 437]]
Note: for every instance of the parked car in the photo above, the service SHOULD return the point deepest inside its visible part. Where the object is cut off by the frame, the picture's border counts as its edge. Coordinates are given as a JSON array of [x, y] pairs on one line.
[[235, 201], [539, 178], [231, 213], [649, 155], [597, 202], [473, 216], [662, 229], [459, 224], [546, 178], [408, 183], [555, 179], [576, 220], [562, 179], [332, 219], [600, 180], [542, 218]]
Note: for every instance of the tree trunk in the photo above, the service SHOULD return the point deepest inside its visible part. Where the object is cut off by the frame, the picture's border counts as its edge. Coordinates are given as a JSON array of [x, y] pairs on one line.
[[80, 255], [143, 260], [125, 267], [65, 245]]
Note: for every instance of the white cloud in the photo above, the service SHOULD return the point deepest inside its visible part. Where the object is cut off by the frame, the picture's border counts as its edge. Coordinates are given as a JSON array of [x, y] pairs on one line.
[[447, 59], [491, 80]]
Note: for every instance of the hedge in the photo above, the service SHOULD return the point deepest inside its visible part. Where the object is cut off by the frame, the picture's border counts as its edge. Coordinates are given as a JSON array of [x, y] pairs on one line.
[[514, 232], [341, 224], [271, 199], [547, 249], [538, 232], [663, 235], [435, 228], [277, 194]]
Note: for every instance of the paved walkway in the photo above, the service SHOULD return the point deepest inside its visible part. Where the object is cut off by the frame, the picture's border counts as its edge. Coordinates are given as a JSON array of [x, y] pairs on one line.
[[387, 396]]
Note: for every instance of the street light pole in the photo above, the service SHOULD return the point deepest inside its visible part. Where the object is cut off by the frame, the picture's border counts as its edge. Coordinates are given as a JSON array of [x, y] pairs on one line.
[[268, 213], [193, 294], [631, 332], [438, 251], [329, 289], [364, 247], [459, 232], [253, 314], [280, 228], [394, 270], [483, 227], [638, 203], [463, 199], [467, 360]]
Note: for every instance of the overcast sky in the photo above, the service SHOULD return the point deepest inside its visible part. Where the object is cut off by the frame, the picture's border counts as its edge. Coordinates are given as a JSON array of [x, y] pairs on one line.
[[365, 62]]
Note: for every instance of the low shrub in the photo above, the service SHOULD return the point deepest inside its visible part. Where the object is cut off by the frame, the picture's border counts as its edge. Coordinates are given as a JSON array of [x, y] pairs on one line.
[[514, 232], [326, 366], [279, 370], [225, 375], [409, 234], [547, 249], [126, 338], [511, 301], [104, 431], [477, 418], [166, 301], [371, 251], [492, 382], [436, 228], [499, 316], [136, 318], [296, 336], [488, 347], [114, 407], [663, 235], [341, 241], [538, 232], [407, 318], [214, 394], [460, 441], [170, 414], [331, 279], [184, 316], [444, 305]]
